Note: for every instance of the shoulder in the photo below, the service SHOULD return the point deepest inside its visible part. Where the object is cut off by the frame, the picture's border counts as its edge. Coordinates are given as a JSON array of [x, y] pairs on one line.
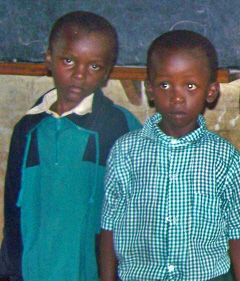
[[133, 122], [102, 102], [129, 143], [219, 141], [139, 140], [27, 122], [113, 113], [222, 148]]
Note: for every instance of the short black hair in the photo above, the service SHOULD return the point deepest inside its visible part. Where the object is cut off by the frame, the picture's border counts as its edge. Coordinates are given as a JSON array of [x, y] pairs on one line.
[[184, 40], [88, 22]]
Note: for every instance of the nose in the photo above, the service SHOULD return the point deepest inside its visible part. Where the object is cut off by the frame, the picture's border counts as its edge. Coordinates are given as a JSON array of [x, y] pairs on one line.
[[177, 97], [79, 71]]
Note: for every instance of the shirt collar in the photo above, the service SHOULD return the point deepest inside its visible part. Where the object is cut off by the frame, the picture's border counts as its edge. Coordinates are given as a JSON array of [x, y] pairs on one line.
[[84, 107], [152, 130]]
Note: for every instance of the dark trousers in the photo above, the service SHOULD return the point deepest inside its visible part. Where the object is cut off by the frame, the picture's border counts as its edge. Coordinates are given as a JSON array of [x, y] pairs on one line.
[[225, 277]]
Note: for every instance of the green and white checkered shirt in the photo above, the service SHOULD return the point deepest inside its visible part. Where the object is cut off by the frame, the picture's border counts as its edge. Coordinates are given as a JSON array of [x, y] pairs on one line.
[[172, 204]]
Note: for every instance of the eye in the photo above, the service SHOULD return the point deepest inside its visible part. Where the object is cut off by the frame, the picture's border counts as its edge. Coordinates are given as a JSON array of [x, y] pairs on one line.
[[95, 66], [191, 86], [164, 85], [68, 61]]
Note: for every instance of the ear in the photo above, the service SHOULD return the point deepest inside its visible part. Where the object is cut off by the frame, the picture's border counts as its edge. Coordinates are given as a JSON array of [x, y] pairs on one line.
[[213, 90], [149, 89], [49, 59]]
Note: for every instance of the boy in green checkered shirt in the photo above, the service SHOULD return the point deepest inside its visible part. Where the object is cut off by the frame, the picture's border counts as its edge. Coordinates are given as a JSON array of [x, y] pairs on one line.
[[172, 202]]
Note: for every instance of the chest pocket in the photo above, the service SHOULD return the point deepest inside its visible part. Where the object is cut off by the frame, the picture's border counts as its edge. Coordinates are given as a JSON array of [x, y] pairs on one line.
[[207, 220]]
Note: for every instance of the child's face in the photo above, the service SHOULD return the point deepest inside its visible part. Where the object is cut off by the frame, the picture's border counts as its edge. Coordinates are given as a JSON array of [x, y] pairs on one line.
[[179, 86], [79, 63]]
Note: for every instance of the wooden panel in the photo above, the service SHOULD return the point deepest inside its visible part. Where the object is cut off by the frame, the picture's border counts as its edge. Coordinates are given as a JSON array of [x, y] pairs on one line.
[[133, 91], [119, 72], [23, 68], [223, 76]]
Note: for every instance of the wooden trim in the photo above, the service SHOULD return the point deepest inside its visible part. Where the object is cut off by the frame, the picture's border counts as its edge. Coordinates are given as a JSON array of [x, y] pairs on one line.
[[119, 72], [23, 68], [223, 76], [128, 73]]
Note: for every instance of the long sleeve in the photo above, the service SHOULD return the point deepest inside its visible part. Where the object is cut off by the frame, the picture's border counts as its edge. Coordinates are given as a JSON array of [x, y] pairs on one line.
[[11, 249]]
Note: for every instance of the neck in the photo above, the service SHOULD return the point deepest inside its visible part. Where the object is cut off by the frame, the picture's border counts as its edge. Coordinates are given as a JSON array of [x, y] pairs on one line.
[[60, 107]]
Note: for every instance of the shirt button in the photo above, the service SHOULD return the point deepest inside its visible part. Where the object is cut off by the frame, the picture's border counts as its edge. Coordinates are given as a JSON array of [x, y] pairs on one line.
[[171, 268]]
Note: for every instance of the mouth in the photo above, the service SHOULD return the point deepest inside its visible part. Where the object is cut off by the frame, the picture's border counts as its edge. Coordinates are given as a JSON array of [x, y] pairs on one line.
[[177, 114], [76, 89]]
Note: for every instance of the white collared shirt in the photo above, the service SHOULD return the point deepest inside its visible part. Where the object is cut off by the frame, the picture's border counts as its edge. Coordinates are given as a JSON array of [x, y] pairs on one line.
[[84, 107]]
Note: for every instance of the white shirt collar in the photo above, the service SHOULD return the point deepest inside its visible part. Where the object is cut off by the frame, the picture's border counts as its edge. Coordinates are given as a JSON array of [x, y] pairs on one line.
[[84, 107]]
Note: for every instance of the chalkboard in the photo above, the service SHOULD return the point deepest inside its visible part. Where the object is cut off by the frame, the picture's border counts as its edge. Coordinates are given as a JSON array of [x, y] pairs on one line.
[[25, 25]]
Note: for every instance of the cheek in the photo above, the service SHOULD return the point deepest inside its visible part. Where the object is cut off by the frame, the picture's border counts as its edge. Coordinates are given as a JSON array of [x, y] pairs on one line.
[[161, 104], [161, 98], [96, 78], [196, 101], [61, 74]]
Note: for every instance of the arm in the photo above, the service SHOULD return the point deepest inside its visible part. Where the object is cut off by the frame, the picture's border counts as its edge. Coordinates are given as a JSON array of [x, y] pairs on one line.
[[235, 257], [108, 259], [233, 211], [11, 248], [117, 177]]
